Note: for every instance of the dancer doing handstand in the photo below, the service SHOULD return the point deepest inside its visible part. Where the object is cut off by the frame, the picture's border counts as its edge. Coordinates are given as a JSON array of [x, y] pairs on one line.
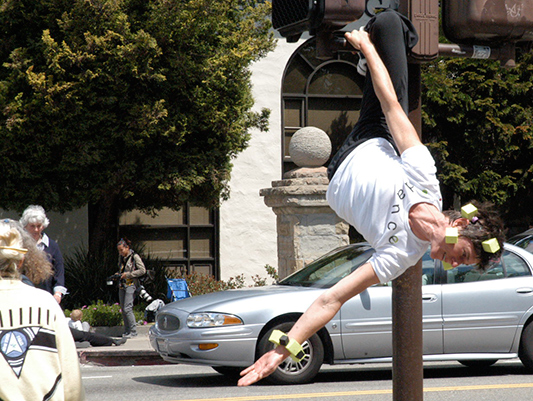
[[383, 182]]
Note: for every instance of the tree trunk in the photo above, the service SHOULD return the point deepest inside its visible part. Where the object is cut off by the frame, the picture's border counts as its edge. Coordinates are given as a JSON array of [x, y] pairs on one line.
[[103, 227]]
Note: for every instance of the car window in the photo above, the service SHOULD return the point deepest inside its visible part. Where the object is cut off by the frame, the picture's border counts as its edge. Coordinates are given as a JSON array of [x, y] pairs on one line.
[[330, 268], [510, 265], [428, 269], [515, 266], [527, 244], [523, 241]]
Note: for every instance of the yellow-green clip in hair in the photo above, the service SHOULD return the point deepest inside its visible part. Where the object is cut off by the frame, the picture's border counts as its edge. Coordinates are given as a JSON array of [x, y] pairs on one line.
[[468, 211], [446, 265], [452, 235], [491, 245]]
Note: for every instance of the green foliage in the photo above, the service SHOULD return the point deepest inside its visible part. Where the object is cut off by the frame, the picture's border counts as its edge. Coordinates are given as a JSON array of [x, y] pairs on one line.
[[261, 281], [140, 104], [203, 284], [85, 277], [102, 314], [478, 122]]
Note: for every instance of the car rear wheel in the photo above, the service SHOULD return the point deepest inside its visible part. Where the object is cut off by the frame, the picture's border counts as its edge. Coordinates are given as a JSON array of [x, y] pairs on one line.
[[290, 372], [478, 363], [525, 351]]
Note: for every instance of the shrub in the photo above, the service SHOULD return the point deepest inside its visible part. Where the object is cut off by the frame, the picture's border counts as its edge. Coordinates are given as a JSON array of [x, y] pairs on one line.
[[85, 278], [101, 314], [203, 284]]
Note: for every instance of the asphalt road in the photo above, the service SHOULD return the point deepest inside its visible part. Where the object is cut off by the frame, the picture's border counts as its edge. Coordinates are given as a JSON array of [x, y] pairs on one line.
[[442, 381]]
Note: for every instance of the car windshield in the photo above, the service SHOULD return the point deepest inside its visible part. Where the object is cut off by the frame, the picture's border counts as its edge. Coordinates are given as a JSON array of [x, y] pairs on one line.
[[330, 268]]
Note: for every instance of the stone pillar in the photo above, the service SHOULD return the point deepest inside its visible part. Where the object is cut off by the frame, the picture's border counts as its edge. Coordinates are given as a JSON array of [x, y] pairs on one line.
[[307, 226]]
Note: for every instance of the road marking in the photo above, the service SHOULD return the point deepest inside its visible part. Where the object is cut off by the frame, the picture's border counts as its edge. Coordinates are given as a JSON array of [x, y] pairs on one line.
[[364, 392], [96, 377], [479, 387]]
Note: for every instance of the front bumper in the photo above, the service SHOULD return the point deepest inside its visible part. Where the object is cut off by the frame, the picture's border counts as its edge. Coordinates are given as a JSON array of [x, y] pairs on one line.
[[235, 345]]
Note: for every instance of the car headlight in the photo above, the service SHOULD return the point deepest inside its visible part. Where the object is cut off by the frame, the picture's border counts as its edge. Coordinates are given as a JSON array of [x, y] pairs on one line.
[[208, 319]]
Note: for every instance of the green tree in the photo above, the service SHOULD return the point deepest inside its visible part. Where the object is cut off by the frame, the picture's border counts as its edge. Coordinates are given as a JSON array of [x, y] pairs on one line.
[[478, 120], [122, 104]]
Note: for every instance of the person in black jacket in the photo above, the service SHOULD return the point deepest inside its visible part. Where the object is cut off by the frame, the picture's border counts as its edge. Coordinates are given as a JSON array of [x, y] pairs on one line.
[[81, 332], [34, 221]]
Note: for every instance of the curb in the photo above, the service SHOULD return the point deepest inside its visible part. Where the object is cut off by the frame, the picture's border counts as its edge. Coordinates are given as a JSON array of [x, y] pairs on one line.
[[116, 331], [120, 358], [137, 351]]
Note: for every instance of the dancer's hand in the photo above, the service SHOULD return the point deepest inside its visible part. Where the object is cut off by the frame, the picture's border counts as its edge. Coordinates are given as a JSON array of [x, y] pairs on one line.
[[357, 38], [264, 366]]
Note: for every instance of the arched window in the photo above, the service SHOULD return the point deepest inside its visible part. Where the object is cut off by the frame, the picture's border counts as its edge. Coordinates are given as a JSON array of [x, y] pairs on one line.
[[320, 93]]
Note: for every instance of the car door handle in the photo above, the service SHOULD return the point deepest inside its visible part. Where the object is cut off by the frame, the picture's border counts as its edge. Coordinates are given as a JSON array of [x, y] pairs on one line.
[[429, 297], [524, 290]]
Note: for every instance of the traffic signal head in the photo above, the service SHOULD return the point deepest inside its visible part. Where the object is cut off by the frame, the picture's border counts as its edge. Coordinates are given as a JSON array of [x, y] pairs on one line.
[[488, 22], [293, 17]]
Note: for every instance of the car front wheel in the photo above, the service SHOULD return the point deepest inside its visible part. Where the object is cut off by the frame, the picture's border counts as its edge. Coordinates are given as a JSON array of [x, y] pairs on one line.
[[291, 372]]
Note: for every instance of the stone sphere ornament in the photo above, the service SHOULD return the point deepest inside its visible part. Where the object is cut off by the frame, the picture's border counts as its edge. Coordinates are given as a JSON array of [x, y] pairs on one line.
[[310, 147]]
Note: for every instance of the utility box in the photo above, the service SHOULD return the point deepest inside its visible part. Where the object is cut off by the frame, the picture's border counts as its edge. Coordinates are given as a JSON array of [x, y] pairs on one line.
[[293, 17], [424, 14], [487, 21]]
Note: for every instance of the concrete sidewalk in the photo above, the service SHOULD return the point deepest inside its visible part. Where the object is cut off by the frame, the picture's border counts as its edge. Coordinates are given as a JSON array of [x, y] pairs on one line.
[[136, 351]]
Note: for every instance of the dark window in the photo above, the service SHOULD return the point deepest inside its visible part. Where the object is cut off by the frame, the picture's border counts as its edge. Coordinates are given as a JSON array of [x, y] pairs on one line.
[[185, 240], [320, 93]]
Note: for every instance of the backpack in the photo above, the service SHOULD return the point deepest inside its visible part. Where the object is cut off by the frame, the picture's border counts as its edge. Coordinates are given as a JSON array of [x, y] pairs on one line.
[[147, 277]]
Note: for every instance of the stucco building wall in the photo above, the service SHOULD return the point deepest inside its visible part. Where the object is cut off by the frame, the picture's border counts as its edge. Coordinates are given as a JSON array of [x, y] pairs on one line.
[[248, 237]]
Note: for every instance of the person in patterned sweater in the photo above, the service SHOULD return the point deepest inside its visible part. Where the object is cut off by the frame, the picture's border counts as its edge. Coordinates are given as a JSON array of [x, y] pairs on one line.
[[39, 359]]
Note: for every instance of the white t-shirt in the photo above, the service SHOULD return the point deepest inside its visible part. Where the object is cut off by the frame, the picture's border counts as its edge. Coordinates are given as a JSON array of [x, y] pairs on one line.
[[75, 324], [374, 189]]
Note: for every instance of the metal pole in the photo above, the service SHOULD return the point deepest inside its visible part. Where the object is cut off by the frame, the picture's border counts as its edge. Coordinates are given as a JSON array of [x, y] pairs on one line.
[[504, 53], [407, 361], [407, 364]]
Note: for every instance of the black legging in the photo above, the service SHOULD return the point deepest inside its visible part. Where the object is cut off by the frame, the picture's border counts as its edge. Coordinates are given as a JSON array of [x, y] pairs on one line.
[[95, 339], [392, 35]]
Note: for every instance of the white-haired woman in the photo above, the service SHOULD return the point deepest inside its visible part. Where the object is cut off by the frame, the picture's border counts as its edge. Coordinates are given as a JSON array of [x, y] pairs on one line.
[[34, 221], [39, 358]]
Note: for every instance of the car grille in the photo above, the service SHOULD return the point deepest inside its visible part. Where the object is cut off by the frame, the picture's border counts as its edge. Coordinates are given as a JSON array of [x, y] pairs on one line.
[[166, 322]]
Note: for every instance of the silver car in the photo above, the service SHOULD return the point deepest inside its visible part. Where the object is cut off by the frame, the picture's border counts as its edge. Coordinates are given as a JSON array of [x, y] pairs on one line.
[[469, 316]]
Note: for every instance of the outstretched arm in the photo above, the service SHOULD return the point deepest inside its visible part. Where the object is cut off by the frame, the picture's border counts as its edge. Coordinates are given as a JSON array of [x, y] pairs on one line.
[[403, 132], [319, 313]]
